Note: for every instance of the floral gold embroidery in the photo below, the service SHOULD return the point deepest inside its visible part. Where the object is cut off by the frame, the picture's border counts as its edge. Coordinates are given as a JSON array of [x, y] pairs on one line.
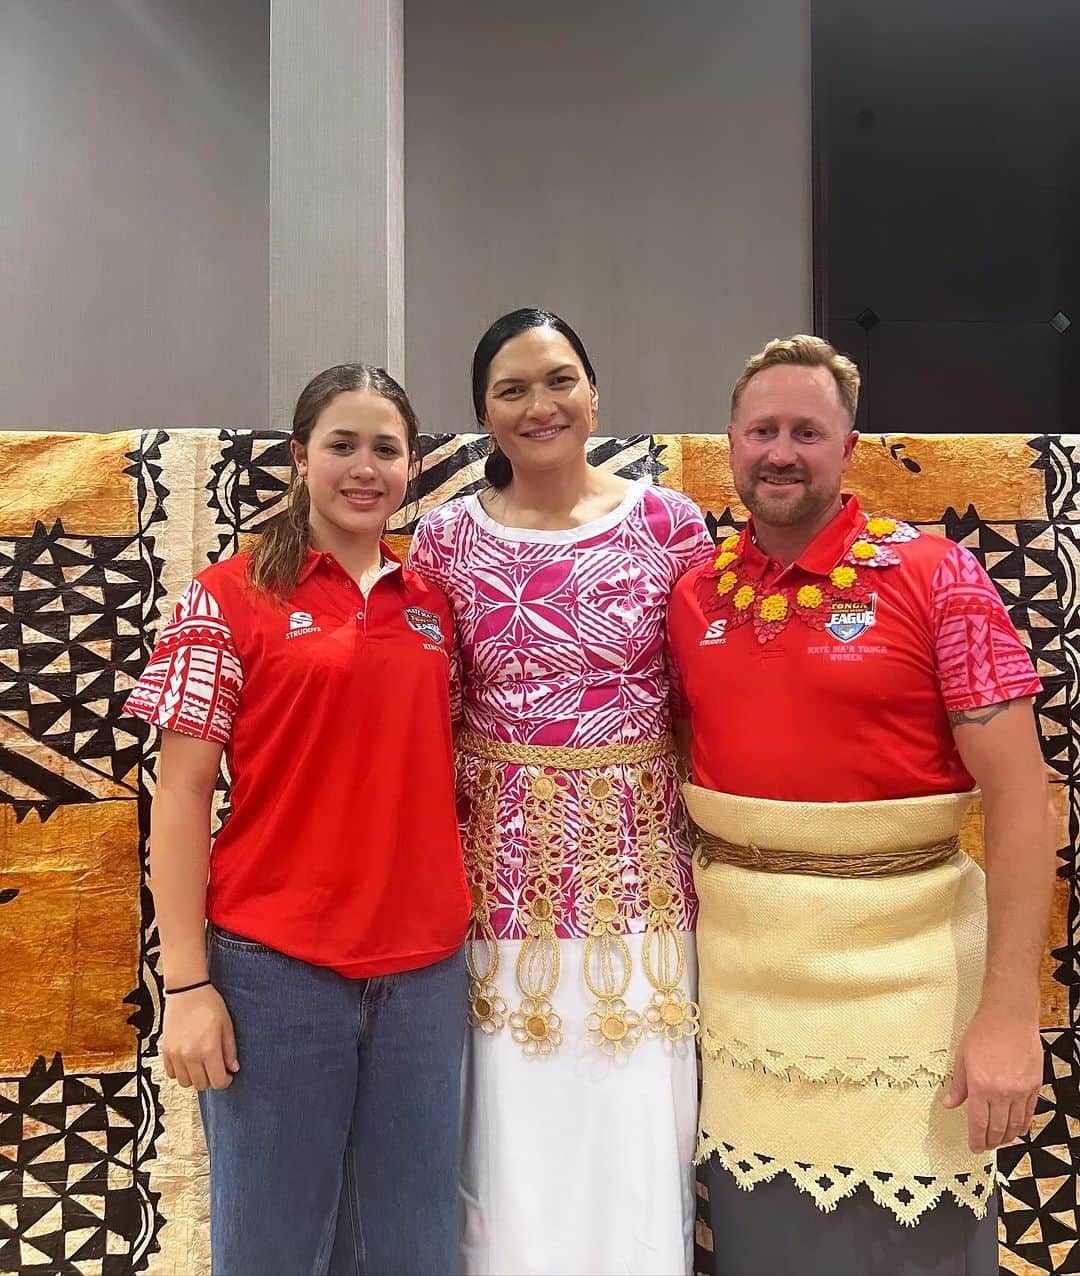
[[670, 1012], [843, 577], [726, 583], [610, 1024], [487, 1010], [536, 1027], [613, 1027], [881, 526], [744, 597], [673, 1015], [724, 560], [809, 596], [863, 551], [730, 543], [617, 779]]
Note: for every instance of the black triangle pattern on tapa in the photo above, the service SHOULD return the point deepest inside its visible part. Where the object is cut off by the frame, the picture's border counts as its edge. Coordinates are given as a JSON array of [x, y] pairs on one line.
[[1057, 461], [1028, 563], [1038, 1222], [67, 1163], [71, 643], [248, 483]]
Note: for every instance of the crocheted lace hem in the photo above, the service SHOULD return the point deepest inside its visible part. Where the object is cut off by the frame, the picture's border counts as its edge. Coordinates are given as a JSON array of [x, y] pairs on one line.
[[907, 1196], [930, 1068]]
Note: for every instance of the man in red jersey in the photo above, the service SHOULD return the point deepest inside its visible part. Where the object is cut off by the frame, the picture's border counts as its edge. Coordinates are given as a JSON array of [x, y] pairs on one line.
[[870, 1001]]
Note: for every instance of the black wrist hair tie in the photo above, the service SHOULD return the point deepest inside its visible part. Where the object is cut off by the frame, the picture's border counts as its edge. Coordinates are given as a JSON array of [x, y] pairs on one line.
[[186, 988]]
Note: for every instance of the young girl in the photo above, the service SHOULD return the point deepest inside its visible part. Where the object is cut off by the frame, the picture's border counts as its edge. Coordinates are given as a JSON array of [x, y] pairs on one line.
[[580, 1100], [321, 1015]]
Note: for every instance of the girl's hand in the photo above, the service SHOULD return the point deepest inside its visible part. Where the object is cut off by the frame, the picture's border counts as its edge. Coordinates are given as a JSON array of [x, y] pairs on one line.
[[197, 1044]]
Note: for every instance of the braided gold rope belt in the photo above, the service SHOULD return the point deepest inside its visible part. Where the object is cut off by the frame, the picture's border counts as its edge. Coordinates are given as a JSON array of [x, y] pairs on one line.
[[717, 850], [563, 757]]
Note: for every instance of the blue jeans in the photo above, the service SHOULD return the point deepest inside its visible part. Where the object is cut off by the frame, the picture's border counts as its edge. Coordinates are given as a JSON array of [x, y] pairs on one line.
[[335, 1149]]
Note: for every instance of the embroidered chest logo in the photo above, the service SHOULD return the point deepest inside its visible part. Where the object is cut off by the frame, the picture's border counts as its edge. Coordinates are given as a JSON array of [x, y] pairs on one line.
[[714, 634], [300, 623], [849, 619], [424, 622]]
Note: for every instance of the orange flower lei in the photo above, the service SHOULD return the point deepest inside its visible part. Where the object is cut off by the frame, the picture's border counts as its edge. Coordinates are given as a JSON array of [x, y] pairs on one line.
[[728, 590]]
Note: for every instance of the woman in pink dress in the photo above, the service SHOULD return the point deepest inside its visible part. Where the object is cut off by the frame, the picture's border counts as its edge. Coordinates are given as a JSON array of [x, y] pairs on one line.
[[579, 1101]]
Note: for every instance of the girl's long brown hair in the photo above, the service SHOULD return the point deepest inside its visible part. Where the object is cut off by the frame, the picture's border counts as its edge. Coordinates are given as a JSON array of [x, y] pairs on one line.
[[278, 557]]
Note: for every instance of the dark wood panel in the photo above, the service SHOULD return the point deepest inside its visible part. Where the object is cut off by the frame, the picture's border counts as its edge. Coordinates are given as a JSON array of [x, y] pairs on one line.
[[947, 193], [966, 378]]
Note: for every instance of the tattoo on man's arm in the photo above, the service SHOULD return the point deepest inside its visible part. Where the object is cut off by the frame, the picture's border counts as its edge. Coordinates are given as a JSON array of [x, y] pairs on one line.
[[977, 717]]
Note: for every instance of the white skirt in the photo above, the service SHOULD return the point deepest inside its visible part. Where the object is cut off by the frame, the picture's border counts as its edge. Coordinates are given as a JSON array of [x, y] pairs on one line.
[[578, 1164]]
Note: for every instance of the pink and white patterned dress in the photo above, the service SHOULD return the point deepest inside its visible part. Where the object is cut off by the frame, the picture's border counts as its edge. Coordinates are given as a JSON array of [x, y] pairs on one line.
[[562, 642], [575, 1159]]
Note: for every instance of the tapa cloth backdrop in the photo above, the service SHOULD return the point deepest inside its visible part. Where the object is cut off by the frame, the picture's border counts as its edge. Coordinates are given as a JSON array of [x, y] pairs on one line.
[[102, 1166]]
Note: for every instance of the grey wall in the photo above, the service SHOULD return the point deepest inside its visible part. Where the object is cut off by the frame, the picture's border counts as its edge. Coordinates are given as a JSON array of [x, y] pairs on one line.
[[337, 221], [640, 166], [134, 218]]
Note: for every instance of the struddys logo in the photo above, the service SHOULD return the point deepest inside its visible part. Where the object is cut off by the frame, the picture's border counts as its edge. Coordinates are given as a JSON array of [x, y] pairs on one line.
[[850, 620], [300, 623], [714, 634], [424, 622]]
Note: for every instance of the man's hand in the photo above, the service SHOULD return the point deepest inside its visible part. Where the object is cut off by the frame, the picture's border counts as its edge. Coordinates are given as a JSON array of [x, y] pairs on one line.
[[998, 1072], [197, 1044]]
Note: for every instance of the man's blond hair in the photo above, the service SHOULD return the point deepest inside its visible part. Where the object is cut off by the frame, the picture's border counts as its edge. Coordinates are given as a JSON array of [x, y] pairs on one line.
[[803, 351]]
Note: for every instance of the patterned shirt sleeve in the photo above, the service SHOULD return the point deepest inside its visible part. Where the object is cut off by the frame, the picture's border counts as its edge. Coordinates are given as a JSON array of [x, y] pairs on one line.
[[980, 657], [192, 683], [428, 550], [692, 545]]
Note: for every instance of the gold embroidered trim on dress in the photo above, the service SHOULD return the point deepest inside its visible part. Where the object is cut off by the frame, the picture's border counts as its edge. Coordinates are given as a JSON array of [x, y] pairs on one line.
[[534, 1025], [612, 1026], [487, 1010], [604, 898], [908, 1196]]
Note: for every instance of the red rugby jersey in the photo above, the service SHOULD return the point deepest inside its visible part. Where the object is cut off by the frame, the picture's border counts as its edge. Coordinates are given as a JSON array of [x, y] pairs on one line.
[[831, 680], [342, 848]]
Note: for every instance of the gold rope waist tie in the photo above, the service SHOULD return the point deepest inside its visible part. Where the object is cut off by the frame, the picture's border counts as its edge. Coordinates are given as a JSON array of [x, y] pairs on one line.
[[611, 1025]]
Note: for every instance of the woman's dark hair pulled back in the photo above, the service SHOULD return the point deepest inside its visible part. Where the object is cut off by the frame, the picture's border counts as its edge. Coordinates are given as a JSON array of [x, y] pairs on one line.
[[497, 469]]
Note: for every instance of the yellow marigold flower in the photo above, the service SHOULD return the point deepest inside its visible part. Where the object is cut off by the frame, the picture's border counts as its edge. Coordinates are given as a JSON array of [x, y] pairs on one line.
[[881, 526], [726, 583], [724, 560], [843, 577], [775, 607], [809, 596], [863, 550], [744, 597], [730, 543]]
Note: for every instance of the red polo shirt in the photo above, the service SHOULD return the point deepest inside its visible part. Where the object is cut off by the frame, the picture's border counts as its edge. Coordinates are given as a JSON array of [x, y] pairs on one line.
[[342, 847], [831, 680]]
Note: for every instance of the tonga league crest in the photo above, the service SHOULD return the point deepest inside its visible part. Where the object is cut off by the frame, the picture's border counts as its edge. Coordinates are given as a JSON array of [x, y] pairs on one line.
[[849, 620]]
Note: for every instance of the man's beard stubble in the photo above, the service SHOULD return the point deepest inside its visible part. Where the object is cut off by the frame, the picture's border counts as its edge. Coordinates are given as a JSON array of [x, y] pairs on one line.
[[810, 506]]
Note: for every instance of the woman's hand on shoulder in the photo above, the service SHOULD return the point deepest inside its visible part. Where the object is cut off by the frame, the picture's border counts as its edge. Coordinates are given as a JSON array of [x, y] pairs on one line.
[[198, 1045]]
